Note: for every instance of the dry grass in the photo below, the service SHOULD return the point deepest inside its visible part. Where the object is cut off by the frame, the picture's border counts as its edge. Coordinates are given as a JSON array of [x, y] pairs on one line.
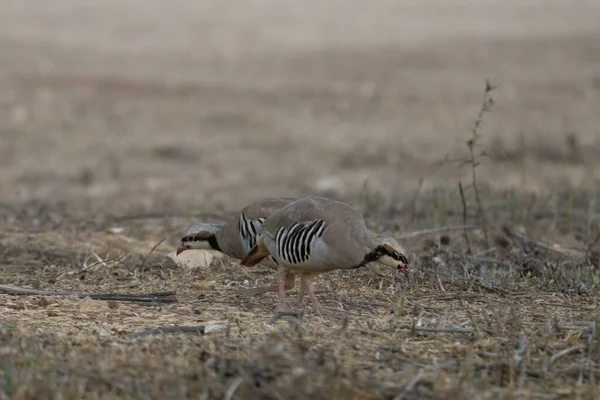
[[517, 321], [121, 122]]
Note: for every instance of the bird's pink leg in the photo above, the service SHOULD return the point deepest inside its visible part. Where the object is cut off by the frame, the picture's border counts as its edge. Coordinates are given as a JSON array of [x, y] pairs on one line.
[[301, 293], [311, 294], [281, 305]]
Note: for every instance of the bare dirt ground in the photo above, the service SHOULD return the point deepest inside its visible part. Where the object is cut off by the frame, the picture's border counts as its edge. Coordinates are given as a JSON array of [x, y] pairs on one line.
[[123, 122]]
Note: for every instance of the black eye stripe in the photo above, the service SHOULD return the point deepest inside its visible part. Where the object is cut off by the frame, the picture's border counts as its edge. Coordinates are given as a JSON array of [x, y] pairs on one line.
[[382, 250], [194, 238], [203, 237], [379, 252]]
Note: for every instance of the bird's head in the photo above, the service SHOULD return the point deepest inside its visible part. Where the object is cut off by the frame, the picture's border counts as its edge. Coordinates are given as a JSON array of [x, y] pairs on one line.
[[201, 237], [389, 252]]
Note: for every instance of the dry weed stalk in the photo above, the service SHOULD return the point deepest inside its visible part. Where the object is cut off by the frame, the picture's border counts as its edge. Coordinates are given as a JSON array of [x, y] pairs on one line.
[[464, 205], [473, 160]]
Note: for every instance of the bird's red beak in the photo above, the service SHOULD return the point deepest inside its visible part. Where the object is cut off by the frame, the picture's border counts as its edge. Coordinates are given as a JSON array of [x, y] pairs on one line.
[[404, 270], [181, 249]]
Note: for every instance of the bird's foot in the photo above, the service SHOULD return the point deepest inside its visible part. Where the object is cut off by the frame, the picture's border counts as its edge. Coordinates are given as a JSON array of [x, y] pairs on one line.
[[284, 311], [280, 314]]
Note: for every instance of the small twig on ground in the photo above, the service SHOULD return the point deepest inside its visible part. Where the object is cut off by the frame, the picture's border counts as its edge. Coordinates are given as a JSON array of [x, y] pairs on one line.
[[151, 251], [128, 285], [545, 246], [464, 205], [163, 297], [565, 352], [449, 329], [118, 260], [199, 329], [410, 385], [29, 292], [437, 230], [488, 286], [439, 281], [485, 252], [233, 387]]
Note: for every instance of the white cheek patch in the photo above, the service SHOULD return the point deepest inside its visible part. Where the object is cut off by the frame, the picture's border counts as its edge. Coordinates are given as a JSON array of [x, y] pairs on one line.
[[389, 261], [200, 245]]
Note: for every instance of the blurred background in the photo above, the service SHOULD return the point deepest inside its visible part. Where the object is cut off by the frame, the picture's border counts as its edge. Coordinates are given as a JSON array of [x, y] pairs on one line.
[[121, 105], [123, 121]]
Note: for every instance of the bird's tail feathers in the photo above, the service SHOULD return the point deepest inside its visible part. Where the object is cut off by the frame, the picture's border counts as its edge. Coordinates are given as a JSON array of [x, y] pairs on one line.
[[256, 255]]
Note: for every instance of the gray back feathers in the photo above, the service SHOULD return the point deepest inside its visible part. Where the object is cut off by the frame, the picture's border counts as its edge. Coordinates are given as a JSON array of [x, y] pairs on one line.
[[239, 234], [318, 231], [310, 209]]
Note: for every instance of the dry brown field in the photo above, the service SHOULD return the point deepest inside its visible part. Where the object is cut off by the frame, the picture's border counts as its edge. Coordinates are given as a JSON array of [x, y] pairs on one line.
[[123, 122]]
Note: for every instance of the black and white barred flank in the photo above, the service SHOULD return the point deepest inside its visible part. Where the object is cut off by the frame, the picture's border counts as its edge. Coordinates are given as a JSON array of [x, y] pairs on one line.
[[294, 244], [248, 230]]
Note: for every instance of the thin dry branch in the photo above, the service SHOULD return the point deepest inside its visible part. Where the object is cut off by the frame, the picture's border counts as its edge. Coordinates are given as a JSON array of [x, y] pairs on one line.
[[482, 283], [151, 251], [565, 352], [449, 329], [162, 297], [199, 329], [541, 245], [410, 385], [464, 206], [437, 230], [29, 292], [118, 260], [233, 387], [486, 106]]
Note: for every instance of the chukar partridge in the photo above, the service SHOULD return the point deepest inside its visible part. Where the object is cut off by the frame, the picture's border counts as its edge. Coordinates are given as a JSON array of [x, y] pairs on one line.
[[315, 235], [237, 236]]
